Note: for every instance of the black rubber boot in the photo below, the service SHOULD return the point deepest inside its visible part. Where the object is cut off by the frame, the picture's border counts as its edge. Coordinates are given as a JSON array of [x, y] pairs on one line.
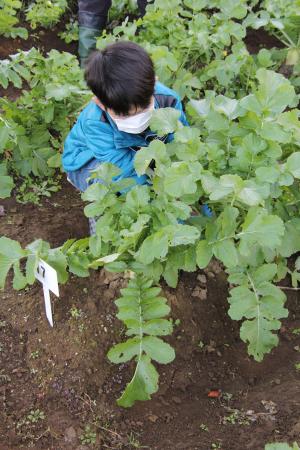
[[92, 18], [87, 43], [142, 6]]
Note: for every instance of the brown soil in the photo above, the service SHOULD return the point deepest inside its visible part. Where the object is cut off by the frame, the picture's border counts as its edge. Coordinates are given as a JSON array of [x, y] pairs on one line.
[[64, 372], [258, 39], [44, 39]]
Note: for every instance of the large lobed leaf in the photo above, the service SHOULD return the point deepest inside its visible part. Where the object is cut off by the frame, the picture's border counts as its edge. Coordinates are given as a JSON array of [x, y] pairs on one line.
[[142, 311], [261, 303], [10, 255]]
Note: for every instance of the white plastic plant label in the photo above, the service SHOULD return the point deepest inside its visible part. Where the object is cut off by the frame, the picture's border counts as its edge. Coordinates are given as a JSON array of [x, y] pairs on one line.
[[48, 307], [48, 277]]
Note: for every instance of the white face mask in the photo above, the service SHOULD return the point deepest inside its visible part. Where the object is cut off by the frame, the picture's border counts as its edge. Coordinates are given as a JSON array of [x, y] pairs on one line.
[[135, 124]]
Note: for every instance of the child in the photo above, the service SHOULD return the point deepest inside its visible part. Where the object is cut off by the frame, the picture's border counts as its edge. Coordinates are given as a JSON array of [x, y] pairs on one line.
[[115, 124]]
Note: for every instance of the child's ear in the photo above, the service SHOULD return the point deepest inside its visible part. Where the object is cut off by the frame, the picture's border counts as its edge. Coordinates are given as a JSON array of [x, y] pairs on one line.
[[97, 101]]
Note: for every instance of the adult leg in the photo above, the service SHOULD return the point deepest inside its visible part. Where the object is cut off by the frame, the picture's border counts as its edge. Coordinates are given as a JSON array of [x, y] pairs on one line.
[[142, 6], [92, 17]]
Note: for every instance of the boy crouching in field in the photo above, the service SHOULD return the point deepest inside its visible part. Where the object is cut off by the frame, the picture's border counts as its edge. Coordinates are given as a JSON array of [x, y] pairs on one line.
[[115, 124]]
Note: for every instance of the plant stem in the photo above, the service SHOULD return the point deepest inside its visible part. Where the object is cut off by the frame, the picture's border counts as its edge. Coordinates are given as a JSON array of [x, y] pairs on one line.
[[288, 288]]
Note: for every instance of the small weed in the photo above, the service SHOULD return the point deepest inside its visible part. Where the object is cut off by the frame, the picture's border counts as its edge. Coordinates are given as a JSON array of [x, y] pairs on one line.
[[231, 419], [81, 328], [76, 313], [71, 32], [88, 436], [35, 416], [227, 396], [296, 331], [134, 442], [297, 366], [2, 323], [236, 417], [215, 445], [201, 345], [32, 190], [203, 427], [35, 354]]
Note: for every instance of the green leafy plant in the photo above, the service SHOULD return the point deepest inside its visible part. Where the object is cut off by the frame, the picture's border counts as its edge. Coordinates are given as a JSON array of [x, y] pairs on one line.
[[282, 19], [134, 442], [142, 310], [243, 162], [31, 419], [32, 191], [287, 31], [88, 436], [9, 10], [240, 238], [45, 13], [35, 354], [35, 416], [121, 7], [282, 446], [71, 32], [182, 63], [213, 58], [289, 34], [281, 8], [75, 312], [14, 70], [34, 126], [6, 181], [236, 417]]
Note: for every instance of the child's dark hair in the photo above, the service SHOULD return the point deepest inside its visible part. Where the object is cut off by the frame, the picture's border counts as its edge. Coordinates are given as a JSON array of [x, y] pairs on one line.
[[121, 76]]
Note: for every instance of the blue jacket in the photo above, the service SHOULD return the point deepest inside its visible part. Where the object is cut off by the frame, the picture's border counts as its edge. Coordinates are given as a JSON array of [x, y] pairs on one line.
[[95, 135]]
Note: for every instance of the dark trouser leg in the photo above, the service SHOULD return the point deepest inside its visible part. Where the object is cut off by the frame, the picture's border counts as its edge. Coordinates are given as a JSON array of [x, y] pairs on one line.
[[92, 17], [142, 5], [80, 179]]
